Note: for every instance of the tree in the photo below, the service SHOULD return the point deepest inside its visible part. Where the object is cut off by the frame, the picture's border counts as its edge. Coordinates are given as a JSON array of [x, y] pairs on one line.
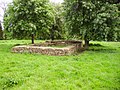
[[25, 18], [118, 27], [92, 19], [1, 32]]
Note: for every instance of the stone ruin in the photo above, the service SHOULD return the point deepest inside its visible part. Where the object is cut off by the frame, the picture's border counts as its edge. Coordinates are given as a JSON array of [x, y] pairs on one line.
[[50, 48]]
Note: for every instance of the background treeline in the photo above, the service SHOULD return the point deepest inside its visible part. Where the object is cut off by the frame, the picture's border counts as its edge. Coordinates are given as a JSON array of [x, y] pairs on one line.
[[39, 17], [74, 19]]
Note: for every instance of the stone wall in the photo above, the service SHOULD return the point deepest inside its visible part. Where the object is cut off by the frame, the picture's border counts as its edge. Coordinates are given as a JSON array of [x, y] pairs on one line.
[[43, 49]]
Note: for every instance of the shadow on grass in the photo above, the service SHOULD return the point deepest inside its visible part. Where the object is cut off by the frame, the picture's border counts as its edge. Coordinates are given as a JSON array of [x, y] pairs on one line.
[[101, 48], [97, 45], [21, 44]]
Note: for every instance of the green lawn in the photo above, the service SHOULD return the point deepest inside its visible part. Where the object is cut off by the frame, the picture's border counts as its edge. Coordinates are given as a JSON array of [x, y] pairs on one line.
[[95, 69]]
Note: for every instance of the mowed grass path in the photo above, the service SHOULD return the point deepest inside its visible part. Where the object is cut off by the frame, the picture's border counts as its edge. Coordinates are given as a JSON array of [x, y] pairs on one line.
[[95, 69]]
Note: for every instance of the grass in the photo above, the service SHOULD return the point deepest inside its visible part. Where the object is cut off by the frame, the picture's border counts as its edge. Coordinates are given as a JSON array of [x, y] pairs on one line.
[[95, 69], [59, 46]]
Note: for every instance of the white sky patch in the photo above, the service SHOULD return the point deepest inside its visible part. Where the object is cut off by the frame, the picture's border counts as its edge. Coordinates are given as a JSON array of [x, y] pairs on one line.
[[6, 1], [57, 1], [3, 4]]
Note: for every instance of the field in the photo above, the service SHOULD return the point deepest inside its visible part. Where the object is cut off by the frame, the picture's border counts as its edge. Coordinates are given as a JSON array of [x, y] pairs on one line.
[[95, 69]]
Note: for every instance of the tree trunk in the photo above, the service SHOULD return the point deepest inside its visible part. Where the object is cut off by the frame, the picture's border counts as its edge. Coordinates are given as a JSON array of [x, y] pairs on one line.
[[86, 44], [1, 32], [1, 35], [32, 37], [52, 36], [52, 33], [5, 36]]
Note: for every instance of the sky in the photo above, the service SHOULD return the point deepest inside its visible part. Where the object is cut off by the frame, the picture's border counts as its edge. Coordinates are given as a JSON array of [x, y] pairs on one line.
[[1, 10], [56, 1], [5, 0]]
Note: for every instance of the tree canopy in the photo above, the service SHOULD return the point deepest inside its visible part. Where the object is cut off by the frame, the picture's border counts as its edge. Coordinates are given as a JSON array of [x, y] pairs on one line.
[[92, 19], [28, 17], [86, 19]]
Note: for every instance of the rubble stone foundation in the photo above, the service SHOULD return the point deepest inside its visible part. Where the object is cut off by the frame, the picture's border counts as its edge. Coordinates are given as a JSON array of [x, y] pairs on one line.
[[46, 48]]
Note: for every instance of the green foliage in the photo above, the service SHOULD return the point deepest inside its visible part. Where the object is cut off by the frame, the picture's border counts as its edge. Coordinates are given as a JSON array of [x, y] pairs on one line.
[[57, 31], [118, 24], [26, 17], [92, 19], [95, 69]]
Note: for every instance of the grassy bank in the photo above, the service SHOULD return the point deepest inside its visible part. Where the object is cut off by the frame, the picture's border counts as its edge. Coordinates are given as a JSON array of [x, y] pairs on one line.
[[95, 69]]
